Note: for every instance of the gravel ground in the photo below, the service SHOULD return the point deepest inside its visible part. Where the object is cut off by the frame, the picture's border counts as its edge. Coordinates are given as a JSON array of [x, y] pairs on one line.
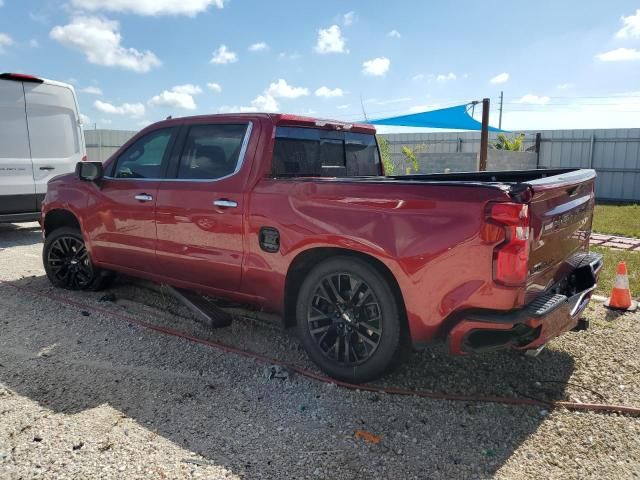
[[97, 397]]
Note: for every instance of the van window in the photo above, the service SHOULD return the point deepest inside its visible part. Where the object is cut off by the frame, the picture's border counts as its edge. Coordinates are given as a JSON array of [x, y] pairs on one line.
[[53, 123], [14, 142], [144, 158], [211, 151], [315, 152]]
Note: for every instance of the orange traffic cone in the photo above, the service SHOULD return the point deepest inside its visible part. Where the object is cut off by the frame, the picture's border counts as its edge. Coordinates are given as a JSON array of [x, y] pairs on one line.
[[620, 298]]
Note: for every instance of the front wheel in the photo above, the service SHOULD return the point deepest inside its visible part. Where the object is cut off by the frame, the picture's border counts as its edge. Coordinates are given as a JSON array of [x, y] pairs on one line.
[[348, 320], [67, 262]]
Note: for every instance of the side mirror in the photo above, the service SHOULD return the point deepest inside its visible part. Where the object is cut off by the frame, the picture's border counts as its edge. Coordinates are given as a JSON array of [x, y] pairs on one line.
[[89, 171]]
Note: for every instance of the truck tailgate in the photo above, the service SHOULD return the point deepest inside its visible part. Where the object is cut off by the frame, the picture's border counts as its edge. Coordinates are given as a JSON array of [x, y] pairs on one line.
[[561, 212]]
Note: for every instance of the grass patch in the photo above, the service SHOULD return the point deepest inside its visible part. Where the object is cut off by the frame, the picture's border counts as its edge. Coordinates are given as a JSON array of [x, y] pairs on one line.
[[617, 220], [608, 273]]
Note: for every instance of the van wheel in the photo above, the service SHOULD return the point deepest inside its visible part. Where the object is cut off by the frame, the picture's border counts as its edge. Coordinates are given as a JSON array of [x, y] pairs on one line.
[[67, 263], [348, 320]]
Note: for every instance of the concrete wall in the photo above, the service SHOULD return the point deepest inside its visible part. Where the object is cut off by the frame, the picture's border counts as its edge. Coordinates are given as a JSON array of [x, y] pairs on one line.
[[501, 160], [497, 160], [101, 144]]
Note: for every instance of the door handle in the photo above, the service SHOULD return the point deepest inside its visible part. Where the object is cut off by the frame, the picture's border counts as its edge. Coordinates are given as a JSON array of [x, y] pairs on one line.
[[224, 203], [47, 168], [143, 197]]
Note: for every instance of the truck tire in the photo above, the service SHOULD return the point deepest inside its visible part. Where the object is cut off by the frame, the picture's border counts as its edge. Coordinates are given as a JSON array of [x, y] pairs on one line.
[[67, 262], [348, 320]]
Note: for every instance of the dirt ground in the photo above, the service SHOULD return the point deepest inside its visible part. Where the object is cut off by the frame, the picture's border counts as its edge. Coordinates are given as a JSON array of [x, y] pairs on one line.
[[86, 394]]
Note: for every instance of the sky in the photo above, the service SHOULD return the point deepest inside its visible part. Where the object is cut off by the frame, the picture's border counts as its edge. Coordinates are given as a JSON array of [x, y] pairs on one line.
[[569, 64]]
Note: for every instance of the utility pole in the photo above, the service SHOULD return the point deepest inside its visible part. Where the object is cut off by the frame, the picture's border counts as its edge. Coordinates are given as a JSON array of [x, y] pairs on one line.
[[500, 117], [484, 135]]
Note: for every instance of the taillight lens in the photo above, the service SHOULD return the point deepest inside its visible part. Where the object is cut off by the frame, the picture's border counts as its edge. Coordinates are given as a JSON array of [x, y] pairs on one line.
[[511, 257]]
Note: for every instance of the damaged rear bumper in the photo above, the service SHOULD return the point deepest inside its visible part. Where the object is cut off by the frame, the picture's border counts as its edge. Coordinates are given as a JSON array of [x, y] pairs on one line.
[[549, 315]]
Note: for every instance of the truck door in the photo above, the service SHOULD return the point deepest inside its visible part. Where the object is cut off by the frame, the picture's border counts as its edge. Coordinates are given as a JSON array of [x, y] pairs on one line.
[[17, 191], [55, 135], [199, 212], [120, 219]]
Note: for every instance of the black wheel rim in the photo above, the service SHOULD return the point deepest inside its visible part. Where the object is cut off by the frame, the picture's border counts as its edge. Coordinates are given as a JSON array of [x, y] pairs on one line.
[[69, 262], [345, 319]]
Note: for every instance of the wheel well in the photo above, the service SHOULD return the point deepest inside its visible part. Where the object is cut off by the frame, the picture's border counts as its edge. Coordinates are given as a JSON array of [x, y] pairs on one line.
[[308, 259], [59, 218]]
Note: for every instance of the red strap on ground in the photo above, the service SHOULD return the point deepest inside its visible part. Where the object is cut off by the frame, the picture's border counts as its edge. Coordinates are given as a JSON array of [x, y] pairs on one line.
[[591, 407]]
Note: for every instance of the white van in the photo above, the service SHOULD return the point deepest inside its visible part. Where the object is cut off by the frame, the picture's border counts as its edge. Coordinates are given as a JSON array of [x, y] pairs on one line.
[[40, 138]]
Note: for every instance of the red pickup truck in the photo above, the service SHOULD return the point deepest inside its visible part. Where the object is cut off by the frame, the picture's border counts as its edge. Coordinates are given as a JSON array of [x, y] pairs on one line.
[[293, 215]]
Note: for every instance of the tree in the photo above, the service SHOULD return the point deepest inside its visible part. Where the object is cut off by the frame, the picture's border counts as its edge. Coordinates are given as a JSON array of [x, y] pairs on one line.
[[514, 144]]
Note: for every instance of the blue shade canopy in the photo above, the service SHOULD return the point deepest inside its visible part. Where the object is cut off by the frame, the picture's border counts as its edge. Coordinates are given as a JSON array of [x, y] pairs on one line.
[[453, 117]]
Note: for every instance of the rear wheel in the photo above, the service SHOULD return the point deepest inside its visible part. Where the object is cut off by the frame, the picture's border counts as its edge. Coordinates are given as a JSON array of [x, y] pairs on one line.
[[348, 320], [67, 262]]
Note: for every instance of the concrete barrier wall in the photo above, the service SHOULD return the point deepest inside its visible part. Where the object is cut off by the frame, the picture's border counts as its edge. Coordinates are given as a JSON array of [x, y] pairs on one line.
[[497, 160], [101, 144]]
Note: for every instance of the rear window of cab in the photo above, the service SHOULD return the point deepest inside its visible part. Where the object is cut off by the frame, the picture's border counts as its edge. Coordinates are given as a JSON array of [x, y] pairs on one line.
[[300, 151]]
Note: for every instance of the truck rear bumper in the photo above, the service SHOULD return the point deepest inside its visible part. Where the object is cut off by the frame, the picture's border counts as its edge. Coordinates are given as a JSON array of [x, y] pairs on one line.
[[549, 315]]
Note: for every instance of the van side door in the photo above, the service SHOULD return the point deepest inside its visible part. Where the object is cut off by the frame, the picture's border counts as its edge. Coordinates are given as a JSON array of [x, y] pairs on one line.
[[17, 191], [55, 135]]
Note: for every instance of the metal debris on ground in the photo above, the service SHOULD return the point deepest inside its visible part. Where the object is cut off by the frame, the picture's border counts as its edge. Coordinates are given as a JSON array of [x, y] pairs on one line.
[[277, 371]]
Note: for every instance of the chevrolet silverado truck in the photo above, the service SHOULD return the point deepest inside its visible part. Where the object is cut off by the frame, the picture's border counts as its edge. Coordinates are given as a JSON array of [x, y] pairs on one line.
[[294, 215]]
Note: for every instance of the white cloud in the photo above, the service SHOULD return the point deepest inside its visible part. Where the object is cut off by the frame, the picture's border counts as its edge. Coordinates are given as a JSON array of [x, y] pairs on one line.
[[223, 56], [330, 40], [288, 56], [564, 86], [343, 107], [394, 34], [327, 92], [265, 103], [5, 41], [149, 7], [500, 78], [1, 3], [84, 119], [446, 77], [33, 43], [214, 87], [619, 55], [376, 66], [259, 47], [281, 89], [130, 109], [348, 18], [187, 89], [389, 101], [532, 99], [631, 26], [418, 77], [91, 90], [99, 40], [180, 96]]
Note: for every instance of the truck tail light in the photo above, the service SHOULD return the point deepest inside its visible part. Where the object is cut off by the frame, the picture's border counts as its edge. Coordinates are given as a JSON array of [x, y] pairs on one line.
[[511, 256]]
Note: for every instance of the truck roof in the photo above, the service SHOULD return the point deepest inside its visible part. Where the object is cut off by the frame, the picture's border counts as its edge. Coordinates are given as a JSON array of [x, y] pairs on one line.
[[285, 119]]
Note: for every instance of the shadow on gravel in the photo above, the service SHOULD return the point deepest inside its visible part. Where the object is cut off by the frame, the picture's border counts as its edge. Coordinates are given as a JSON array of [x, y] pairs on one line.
[[221, 406], [13, 234]]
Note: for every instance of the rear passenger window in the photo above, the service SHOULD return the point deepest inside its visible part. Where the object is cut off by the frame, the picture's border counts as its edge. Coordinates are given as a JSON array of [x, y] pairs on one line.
[[324, 153], [211, 151], [144, 158]]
